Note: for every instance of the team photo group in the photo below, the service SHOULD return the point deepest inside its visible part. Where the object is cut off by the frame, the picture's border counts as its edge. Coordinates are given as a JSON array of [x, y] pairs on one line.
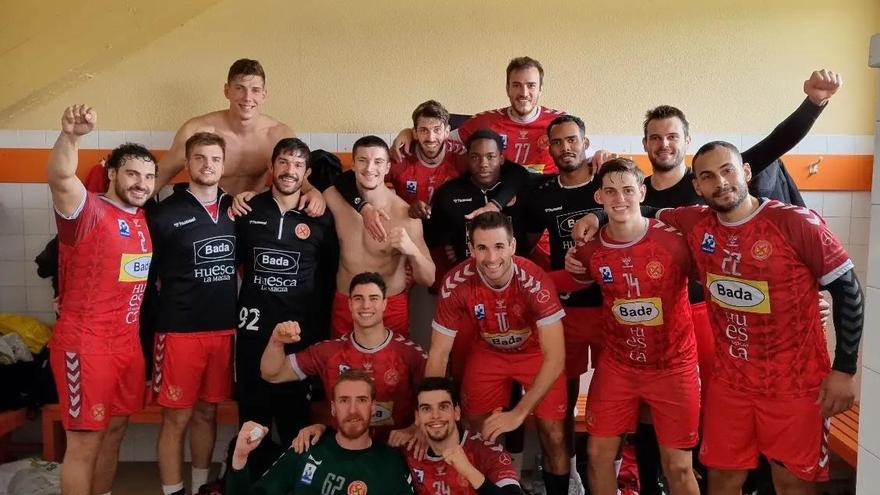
[[701, 296]]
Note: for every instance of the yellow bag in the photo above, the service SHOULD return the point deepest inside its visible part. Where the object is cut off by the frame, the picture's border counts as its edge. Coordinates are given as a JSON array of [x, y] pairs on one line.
[[32, 331]]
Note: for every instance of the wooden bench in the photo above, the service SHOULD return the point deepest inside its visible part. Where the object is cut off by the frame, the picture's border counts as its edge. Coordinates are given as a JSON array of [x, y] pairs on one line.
[[9, 422], [843, 439], [53, 432]]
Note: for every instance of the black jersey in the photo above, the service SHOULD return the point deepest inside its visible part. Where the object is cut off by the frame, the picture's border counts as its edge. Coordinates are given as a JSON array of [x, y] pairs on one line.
[[284, 255], [555, 208], [194, 262], [784, 137], [457, 198]]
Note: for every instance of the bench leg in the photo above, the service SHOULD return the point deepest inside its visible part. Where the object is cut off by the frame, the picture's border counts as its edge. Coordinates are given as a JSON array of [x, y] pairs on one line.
[[53, 440]]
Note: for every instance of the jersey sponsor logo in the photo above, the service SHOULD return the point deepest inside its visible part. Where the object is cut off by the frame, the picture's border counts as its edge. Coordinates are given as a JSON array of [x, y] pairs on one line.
[[504, 140], [708, 243], [566, 222], [302, 231], [276, 261], [752, 296], [214, 249], [342, 368], [308, 474], [411, 186], [391, 377], [480, 312], [124, 229], [605, 272], [357, 487], [646, 311], [181, 223], [762, 249], [543, 296], [654, 269], [509, 340], [258, 222], [134, 267], [462, 200], [382, 416], [420, 475], [99, 412]]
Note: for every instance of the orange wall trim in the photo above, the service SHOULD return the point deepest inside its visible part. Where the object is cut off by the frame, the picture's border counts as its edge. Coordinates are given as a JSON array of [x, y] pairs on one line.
[[836, 172]]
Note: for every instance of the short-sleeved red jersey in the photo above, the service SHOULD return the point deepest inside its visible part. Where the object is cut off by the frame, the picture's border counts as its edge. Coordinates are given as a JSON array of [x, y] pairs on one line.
[[506, 319], [415, 180], [397, 366], [647, 316], [762, 276], [433, 476], [525, 143], [104, 259]]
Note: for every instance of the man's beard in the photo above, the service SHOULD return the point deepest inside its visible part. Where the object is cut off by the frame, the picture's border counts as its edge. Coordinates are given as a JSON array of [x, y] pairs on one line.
[[281, 187], [741, 192], [353, 431], [121, 193]]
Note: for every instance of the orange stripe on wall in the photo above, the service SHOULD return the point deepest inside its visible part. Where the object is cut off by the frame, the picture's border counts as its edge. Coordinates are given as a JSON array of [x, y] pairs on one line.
[[836, 172]]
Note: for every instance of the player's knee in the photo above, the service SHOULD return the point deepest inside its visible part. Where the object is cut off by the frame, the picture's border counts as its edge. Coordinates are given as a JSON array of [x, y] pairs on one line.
[[598, 454], [176, 419], [678, 469], [204, 412], [553, 435]]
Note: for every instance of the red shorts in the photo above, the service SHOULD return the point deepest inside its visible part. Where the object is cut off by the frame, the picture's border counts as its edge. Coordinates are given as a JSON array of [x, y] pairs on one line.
[[617, 392], [489, 375], [737, 427], [705, 341], [94, 387], [583, 338], [192, 366], [396, 315]]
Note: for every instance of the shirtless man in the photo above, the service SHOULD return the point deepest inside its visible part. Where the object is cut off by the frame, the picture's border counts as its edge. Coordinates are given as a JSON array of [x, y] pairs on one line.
[[359, 252], [249, 135]]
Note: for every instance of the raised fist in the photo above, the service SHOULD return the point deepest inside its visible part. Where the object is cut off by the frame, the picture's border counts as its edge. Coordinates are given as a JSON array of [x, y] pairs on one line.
[[78, 120]]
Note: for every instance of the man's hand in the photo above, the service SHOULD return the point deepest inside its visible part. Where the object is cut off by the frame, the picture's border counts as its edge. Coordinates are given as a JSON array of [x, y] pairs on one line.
[[599, 159], [78, 120], [572, 265], [312, 202], [822, 85], [837, 394], [240, 206], [500, 422], [490, 206], [246, 442], [824, 310], [373, 222], [307, 437], [456, 457], [399, 240], [419, 210], [286, 332], [585, 228], [401, 145]]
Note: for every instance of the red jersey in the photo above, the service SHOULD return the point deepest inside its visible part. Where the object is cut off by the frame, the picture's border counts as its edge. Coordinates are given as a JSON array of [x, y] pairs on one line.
[[104, 259], [397, 366], [432, 476], [647, 315], [414, 180], [762, 277], [506, 319], [525, 143]]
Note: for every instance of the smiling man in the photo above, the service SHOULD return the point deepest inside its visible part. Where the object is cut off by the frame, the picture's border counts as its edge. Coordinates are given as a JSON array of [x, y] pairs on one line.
[[194, 263]]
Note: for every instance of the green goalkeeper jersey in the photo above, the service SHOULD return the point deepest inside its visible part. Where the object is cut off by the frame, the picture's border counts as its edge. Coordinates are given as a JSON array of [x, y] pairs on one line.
[[328, 469]]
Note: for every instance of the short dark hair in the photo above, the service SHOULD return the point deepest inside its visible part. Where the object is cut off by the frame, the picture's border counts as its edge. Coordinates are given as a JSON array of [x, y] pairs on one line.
[[128, 151], [431, 383], [520, 63], [665, 112], [246, 67], [205, 139], [712, 145], [366, 278], [490, 220], [291, 146], [356, 375], [431, 109], [562, 119], [370, 142], [489, 134], [620, 165]]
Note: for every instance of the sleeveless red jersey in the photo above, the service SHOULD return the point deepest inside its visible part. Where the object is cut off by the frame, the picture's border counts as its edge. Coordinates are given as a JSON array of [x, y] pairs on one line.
[[104, 259], [397, 366], [525, 143], [647, 317], [762, 276]]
